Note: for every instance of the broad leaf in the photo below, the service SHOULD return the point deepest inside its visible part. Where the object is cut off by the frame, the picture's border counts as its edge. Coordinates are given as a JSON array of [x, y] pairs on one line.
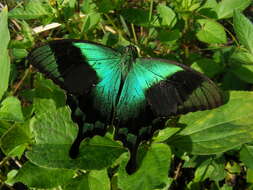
[[218, 130], [46, 95], [211, 32], [140, 17], [94, 180], [15, 140], [225, 8], [211, 168], [244, 30], [105, 6], [249, 177], [244, 72], [32, 10], [207, 66], [167, 15], [154, 164], [242, 56], [246, 155], [54, 134], [10, 110], [35, 176], [90, 21], [208, 9], [4, 56]]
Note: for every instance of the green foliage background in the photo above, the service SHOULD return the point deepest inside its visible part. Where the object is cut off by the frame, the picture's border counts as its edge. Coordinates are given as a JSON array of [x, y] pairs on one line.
[[210, 149]]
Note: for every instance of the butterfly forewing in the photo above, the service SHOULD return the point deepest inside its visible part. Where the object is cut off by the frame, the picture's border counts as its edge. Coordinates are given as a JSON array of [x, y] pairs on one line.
[[82, 68], [180, 92]]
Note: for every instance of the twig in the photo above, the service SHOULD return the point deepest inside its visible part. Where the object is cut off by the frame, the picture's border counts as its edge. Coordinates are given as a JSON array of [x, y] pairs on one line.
[[177, 172], [40, 29], [5, 159], [21, 81], [1, 6], [134, 34], [17, 162]]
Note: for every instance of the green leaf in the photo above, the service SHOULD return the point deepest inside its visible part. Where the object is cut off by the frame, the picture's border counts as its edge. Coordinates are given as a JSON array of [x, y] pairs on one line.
[[4, 126], [246, 155], [35, 176], [233, 167], [94, 180], [54, 134], [140, 17], [4, 32], [214, 169], [167, 15], [211, 32], [208, 9], [34, 9], [164, 134], [244, 72], [244, 30], [207, 66], [168, 36], [10, 177], [4, 56], [88, 6], [15, 140], [231, 82], [225, 8], [242, 56], [154, 164], [209, 4], [10, 110], [218, 130], [226, 187], [249, 176], [105, 6], [46, 95], [19, 53], [90, 21]]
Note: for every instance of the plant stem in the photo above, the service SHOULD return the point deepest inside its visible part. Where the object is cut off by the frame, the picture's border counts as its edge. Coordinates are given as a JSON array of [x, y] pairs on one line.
[[113, 24], [134, 34], [150, 10], [21, 81]]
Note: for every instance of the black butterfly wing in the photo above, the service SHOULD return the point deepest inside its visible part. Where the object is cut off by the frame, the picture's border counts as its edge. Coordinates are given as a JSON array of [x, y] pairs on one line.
[[81, 68], [184, 91], [90, 73], [157, 88]]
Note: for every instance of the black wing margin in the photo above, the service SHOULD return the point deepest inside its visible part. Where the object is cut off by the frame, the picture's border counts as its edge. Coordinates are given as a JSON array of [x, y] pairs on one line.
[[183, 92], [64, 63]]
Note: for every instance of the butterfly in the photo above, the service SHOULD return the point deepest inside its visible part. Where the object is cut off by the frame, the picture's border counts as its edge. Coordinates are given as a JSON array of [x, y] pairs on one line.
[[111, 87]]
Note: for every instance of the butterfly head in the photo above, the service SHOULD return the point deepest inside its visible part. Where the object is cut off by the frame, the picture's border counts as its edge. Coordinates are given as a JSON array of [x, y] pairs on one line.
[[131, 51], [129, 54]]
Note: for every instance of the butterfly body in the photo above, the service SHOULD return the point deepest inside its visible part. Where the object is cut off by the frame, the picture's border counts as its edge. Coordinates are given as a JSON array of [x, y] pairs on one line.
[[120, 88]]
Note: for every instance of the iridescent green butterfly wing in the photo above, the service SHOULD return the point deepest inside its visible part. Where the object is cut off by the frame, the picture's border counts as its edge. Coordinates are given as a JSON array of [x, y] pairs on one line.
[[82, 68], [119, 88], [157, 88], [90, 73]]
